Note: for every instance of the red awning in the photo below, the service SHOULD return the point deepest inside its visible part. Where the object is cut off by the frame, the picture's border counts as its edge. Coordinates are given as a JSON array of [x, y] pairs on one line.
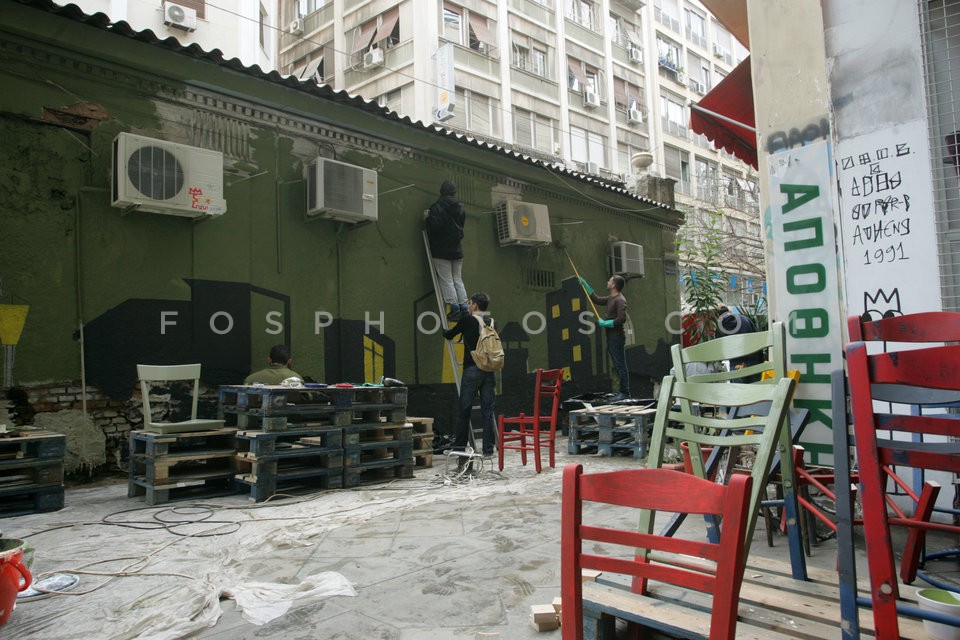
[[725, 115]]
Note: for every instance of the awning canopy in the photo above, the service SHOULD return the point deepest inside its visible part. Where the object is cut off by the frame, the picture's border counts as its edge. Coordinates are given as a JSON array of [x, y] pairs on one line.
[[732, 14], [386, 26], [725, 115]]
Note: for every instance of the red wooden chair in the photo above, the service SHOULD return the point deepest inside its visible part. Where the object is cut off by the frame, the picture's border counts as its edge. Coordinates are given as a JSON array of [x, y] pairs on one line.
[[538, 430], [911, 378], [627, 553]]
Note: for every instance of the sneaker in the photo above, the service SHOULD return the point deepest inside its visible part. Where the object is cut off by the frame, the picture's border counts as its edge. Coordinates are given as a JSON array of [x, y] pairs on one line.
[[453, 311]]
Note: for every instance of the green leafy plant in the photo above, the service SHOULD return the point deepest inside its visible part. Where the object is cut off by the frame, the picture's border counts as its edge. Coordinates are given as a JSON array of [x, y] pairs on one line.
[[758, 314], [699, 247]]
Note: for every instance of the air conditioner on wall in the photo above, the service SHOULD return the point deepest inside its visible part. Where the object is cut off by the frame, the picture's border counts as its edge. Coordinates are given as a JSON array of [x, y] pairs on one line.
[[591, 98], [635, 54], [340, 191], [166, 177], [634, 115], [179, 17], [626, 259], [373, 58], [295, 28], [523, 223]]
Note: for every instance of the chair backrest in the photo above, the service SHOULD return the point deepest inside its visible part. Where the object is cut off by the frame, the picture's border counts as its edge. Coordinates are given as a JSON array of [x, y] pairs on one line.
[[546, 402], [677, 419], [149, 373], [652, 489], [930, 326], [773, 340]]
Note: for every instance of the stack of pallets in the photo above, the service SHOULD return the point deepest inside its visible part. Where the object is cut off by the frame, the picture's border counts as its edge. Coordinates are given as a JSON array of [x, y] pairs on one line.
[[302, 457], [611, 429], [422, 441], [378, 443], [165, 466], [31, 472]]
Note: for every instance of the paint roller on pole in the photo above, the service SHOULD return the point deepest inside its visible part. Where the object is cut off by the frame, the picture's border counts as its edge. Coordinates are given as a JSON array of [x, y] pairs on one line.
[[580, 280]]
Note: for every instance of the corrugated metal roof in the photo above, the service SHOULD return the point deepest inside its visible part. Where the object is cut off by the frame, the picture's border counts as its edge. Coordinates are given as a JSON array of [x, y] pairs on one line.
[[102, 21]]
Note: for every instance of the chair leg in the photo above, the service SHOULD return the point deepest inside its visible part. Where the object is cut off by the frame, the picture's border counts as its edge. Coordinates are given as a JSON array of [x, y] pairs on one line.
[[523, 445], [536, 446], [553, 447], [916, 535], [500, 442]]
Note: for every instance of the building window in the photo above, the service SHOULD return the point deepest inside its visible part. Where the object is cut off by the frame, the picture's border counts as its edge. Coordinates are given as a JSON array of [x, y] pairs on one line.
[[669, 55], [391, 100], [673, 115], [521, 57], [470, 28], [582, 12], [533, 131], [303, 8], [587, 146], [196, 5], [627, 95], [452, 25], [264, 29], [538, 62], [696, 28], [677, 166]]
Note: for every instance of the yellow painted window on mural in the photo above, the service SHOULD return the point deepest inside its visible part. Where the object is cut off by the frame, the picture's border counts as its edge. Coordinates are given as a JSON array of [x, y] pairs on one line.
[[555, 311], [565, 334], [577, 354], [372, 360], [575, 304]]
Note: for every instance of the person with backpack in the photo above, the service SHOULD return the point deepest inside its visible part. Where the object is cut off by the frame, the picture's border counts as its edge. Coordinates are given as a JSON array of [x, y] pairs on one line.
[[616, 312], [482, 356], [444, 222]]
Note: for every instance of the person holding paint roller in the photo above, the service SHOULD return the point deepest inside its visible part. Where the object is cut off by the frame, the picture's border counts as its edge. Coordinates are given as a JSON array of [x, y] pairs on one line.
[[615, 313]]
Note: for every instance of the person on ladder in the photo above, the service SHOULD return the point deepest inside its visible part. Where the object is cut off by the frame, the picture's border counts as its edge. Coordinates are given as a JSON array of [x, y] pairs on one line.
[[444, 222], [473, 380], [616, 312]]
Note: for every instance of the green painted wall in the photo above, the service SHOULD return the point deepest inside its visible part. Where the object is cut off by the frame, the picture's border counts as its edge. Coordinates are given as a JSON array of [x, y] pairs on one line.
[[74, 259]]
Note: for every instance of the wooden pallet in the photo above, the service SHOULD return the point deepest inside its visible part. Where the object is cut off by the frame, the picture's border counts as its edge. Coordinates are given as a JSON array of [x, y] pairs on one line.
[[610, 430], [302, 459], [166, 466], [19, 501], [31, 473], [422, 441], [32, 445], [376, 473]]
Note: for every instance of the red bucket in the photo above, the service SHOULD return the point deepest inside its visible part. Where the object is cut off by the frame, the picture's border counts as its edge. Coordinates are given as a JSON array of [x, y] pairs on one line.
[[14, 575]]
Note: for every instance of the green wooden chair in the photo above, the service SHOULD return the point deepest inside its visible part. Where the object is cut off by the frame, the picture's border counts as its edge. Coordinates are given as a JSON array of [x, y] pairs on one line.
[[681, 417]]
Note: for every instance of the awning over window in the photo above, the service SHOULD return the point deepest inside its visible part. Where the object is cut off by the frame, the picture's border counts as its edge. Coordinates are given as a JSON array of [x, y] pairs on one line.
[[363, 39], [311, 69], [479, 25], [387, 25], [732, 14], [725, 115], [577, 70]]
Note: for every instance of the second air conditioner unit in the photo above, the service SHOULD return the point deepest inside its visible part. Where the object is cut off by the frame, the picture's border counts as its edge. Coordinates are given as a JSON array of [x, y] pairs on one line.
[[523, 223], [295, 28], [634, 115], [179, 17], [340, 191], [166, 177], [635, 54], [373, 58], [626, 259], [591, 99]]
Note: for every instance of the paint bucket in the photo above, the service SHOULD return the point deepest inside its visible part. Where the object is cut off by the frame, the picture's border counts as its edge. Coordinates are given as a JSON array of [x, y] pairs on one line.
[[14, 575], [704, 454], [941, 601]]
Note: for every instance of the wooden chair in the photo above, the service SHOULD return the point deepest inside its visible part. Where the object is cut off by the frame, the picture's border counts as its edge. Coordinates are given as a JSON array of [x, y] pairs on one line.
[[150, 374], [538, 430], [678, 419], [912, 378], [613, 551], [768, 349]]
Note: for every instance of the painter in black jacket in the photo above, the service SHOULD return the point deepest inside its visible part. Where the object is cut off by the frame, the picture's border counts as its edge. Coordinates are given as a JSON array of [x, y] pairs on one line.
[[444, 222]]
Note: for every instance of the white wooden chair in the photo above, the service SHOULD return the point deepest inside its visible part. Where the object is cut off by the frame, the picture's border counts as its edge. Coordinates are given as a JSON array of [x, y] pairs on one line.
[[150, 373]]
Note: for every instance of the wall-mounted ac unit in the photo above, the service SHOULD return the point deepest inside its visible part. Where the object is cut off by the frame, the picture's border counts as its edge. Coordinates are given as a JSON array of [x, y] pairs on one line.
[[720, 51], [341, 191], [373, 58], [523, 223], [635, 54], [445, 112], [295, 28], [591, 98], [179, 17], [626, 259], [698, 86], [166, 177], [634, 115]]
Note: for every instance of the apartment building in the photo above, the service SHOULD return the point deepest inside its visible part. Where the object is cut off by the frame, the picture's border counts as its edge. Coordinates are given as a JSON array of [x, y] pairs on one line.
[[242, 29], [594, 86]]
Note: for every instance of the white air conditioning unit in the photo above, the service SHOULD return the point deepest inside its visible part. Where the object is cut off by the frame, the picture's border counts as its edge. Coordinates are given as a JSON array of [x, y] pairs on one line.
[[445, 112], [592, 167], [340, 191], [698, 86], [635, 54], [719, 51], [295, 28], [591, 98], [626, 259], [179, 17], [523, 223], [634, 116], [166, 177], [373, 58]]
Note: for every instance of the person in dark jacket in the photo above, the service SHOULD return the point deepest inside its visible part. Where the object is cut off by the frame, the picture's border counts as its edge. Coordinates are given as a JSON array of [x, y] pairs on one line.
[[473, 380], [732, 322], [616, 317], [444, 222]]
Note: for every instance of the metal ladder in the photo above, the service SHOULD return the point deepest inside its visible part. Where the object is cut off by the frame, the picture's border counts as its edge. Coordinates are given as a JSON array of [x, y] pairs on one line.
[[471, 450]]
